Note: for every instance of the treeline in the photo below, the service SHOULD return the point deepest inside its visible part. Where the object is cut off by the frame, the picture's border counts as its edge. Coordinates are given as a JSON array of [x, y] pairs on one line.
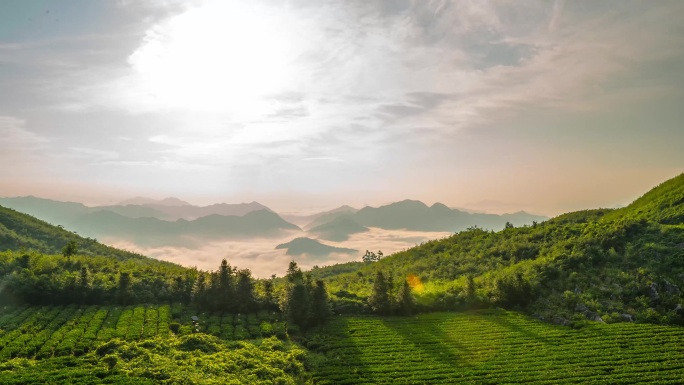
[[229, 290], [304, 301], [38, 279], [386, 300]]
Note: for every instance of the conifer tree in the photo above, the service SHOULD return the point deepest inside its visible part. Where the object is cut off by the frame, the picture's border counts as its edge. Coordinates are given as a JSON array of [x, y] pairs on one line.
[[405, 301], [226, 290], [268, 301], [379, 299], [84, 284], [199, 291], [320, 305], [244, 293], [296, 302], [390, 291], [124, 288], [214, 298]]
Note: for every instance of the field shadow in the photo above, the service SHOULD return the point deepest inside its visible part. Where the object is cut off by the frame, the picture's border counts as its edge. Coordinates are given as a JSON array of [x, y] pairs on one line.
[[335, 357], [510, 324], [432, 342]]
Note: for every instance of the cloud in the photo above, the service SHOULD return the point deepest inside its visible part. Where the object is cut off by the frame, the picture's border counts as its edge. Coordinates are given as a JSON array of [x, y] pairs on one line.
[[436, 64], [15, 137], [267, 97], [261, 257], [21, 148]]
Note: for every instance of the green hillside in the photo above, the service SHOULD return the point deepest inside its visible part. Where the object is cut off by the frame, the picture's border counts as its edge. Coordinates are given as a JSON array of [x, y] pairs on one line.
[[664, 204], [22, 231], [609, 265]]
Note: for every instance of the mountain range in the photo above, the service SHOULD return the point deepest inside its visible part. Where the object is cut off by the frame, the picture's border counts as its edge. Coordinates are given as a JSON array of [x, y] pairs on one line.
[[173, 222]]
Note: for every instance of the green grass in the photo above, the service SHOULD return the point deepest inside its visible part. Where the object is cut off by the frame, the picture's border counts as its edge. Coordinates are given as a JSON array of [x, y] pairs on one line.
[[492, 347]]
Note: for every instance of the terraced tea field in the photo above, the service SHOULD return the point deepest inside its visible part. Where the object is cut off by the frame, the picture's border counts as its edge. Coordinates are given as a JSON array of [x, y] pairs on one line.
[[73, 344], [144, 345], [53, 331], [493, 347]]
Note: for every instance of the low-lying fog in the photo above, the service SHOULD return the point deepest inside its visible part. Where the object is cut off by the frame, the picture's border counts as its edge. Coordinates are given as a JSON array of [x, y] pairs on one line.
[[261, 257]]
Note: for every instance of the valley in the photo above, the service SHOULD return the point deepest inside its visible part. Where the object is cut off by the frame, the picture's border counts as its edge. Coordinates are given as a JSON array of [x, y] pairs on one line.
[[589, 296]]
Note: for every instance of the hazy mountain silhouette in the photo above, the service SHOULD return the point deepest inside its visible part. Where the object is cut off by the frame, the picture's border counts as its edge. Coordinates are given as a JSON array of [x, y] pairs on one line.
[[309, 221], [142, 201], [169, 209], [55, 212], [312, 247], [172, 222], [156, 232], [338, 229], [190, 212], [135, 211], [416, 215]]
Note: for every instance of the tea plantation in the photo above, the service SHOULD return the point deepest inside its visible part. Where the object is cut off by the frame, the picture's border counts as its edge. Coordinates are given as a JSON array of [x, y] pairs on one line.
[[143, 344], [136, 344], [492, 347]]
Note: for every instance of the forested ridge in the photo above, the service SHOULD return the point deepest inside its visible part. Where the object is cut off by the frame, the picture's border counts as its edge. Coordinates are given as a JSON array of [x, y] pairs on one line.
[[610, 265]]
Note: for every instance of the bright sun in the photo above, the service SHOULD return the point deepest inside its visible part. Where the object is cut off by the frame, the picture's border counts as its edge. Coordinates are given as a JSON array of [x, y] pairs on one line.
[[223, 56]]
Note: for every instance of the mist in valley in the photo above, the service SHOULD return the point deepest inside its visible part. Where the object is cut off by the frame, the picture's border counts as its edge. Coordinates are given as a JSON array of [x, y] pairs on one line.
[[260, 256]]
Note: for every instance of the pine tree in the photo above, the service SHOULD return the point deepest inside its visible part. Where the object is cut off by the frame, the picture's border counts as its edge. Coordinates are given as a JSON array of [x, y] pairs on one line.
[[124, 288], [320, 305], [268, 301], [297, 305], [70, 249], [226, 288], [199, 291], [470, 288], [379, 299], [244, 293], [405, 301], [296, 302], [294, 273], [84, 284], [390, 291], [214, 297]]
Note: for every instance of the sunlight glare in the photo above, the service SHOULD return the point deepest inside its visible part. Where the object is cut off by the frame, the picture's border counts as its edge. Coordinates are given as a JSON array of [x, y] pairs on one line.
[[222, 56]]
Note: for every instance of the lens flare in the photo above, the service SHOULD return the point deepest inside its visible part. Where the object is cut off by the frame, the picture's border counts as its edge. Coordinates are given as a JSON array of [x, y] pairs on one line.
[[415, 283]]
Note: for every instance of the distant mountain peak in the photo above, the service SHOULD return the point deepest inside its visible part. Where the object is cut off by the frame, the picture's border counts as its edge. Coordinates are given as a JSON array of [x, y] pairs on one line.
[[408, 203], [307, 246], [141, 201], [440, 206], [172, 201]]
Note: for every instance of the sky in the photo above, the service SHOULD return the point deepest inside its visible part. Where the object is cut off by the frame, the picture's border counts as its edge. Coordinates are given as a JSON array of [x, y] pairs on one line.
[[543, 106]]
